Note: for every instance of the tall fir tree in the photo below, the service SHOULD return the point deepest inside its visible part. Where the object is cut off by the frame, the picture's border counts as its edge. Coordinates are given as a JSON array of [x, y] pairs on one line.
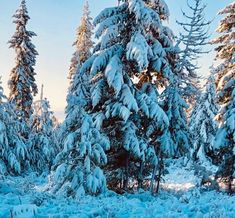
[[225, 138], [203, 126], [192, 39], [132, 42], [83, 43], [78, 166], [22, 79], [13, 150]]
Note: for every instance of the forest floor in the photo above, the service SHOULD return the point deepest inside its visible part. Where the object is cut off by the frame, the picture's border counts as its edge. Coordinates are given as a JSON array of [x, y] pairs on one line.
[[178, 197]]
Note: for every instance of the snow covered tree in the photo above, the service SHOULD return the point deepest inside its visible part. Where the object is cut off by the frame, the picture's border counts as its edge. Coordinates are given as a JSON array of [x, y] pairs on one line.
[[77, 166], [192, 39], [83, 42], [83, 45], [203, 126], [131, 42], [13, 151], [22, 82], [175, 106], [225, 138], [42, 142]]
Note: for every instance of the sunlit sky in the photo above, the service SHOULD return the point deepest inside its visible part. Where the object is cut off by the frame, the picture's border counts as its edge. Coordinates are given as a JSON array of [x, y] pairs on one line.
[[55, 22]]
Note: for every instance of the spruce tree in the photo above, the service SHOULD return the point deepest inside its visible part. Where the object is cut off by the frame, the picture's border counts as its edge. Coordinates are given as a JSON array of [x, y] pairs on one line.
[[175, 106], [132, 42], [192, 39], [225, 138], [83, 43], [42, 142], [22, 78], [203, 126], [13, 151], [84, 46], [77, 166]]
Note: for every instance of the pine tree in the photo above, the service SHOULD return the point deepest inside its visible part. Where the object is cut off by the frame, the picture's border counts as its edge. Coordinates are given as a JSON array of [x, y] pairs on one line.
[[203, 126], [225, 138], [192, 40], [22, 82], [83, 45], [13, 151], [77, 166], [175, 106], [83, 42], [42, 140], [131, 42]]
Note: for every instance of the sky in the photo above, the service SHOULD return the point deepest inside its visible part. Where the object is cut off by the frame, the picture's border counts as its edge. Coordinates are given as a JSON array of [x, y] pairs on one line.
[[55, 23]]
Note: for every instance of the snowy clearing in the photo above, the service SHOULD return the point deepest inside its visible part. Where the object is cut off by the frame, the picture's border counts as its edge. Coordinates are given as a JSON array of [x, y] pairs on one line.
[[179, 197]]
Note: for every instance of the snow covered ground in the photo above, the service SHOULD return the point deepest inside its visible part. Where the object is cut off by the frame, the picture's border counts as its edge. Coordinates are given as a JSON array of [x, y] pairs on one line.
[[179, 197]]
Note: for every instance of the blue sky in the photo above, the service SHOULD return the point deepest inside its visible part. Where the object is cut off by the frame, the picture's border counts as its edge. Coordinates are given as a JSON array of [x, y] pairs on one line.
[[55, 22]]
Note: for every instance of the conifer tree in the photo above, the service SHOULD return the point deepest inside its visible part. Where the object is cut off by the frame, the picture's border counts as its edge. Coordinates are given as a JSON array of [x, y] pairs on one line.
[[225, 138], [175, 106], [131, 42], [77, 166], [22, 79], [192, 39], [83, 43], [42, 140], [203, 126], [13, 151]]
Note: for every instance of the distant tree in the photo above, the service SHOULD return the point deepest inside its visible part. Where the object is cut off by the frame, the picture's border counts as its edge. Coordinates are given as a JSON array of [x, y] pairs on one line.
[[13, 151], [42, 140], [192, 39], [22, 79], [203, 126], [175, 106], [132, 42], [83, 43], [225, 80]]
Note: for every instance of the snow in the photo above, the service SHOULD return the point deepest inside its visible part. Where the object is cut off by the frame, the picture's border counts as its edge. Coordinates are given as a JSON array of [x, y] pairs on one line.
[[138, 50], [113, 73], [178, 197]]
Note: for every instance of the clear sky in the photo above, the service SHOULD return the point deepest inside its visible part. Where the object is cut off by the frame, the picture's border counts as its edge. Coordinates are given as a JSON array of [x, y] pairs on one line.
[[55, 22]]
